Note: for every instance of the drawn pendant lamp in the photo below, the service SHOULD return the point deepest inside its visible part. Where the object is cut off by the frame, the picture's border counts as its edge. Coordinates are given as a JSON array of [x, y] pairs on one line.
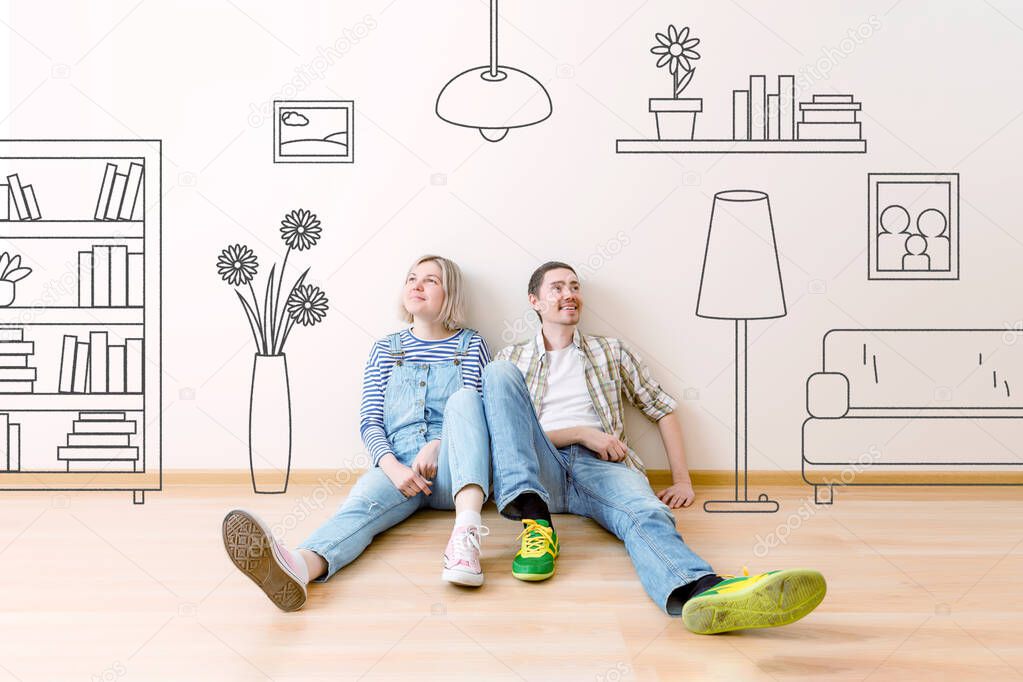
[[741, 281], [494, 98]]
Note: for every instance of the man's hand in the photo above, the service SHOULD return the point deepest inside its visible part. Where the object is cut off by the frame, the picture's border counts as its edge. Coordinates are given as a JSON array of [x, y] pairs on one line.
[[678, 495], [425, 463], [606, 446]]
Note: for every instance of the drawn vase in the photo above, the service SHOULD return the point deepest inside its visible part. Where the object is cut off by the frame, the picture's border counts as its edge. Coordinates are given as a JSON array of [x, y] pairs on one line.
[[270, 424], [675, 118], [6, 293]]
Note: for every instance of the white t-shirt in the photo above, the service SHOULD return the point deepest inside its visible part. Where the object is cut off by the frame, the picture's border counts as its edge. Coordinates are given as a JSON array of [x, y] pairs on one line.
[[566, 402]]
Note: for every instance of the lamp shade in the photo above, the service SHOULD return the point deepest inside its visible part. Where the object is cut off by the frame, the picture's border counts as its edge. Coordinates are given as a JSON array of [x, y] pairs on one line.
[[493, 104], [741, 278]]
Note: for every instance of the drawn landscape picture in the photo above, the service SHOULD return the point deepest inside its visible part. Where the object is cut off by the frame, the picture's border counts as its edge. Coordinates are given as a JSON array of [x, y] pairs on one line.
[[313, 131]]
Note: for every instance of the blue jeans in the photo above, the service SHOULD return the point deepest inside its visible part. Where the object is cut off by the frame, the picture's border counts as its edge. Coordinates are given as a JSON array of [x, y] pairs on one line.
[[374, 505], [576, 481]]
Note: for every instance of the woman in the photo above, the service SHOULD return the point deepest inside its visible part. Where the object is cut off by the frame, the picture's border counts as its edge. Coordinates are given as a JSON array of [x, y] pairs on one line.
[[422, 422]]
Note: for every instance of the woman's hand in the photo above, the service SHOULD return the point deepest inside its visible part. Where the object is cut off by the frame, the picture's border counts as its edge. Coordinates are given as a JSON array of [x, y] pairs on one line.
[[407, 481], [678, 495], [425, 463]]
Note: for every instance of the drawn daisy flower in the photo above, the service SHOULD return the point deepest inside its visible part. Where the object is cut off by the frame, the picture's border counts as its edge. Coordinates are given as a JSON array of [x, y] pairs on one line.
[[237, 265], [307, 305], [300, 229], [676, 49]]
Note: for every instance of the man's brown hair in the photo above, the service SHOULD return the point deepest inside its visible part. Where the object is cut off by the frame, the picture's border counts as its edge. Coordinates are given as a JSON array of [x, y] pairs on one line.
[[536, 279]]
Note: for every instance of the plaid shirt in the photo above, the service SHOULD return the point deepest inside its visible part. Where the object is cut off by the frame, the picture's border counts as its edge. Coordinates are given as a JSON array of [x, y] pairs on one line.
[[613, 370]]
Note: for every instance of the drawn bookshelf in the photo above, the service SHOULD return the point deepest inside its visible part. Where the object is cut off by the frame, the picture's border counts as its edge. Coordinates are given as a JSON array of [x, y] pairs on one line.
[[80, 320]]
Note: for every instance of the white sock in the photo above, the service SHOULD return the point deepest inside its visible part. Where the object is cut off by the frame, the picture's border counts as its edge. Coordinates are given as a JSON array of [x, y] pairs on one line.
[[468, 518]]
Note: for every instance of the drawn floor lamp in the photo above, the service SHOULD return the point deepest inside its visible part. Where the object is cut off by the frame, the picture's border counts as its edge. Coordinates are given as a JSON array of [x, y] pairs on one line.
[[741, 281], [493, 98]]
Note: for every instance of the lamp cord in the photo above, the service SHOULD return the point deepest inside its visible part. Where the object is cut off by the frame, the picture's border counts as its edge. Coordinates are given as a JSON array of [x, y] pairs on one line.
[[493, 39]]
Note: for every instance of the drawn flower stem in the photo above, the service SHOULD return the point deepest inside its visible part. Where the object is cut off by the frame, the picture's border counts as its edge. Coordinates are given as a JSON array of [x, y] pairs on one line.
[[237, 265], [277, 322], [253, 319], [285, 323]]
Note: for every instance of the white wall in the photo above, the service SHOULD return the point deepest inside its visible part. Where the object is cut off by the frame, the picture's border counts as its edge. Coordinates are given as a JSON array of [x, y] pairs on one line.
[[937, 79]]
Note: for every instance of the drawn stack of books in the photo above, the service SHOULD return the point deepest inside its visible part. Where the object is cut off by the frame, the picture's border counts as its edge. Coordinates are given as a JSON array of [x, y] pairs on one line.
[[110, 276], [758, 115], [10, 444], [15, 374], [21, 201], [771, 116], [98, 366], [119, 195], [99, 441], [830, 117]]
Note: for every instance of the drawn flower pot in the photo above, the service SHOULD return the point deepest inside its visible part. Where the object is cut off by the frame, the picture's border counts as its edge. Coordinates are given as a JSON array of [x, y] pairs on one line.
[[11, 272], [6, 293], [676, 118], [270, 424]]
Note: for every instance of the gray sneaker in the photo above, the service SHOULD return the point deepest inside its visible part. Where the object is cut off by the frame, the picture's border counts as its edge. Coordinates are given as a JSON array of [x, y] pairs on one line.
[[253, 549]]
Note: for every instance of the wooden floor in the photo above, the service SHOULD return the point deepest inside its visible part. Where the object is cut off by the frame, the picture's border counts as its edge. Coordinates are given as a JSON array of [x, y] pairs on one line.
[[924, 584]]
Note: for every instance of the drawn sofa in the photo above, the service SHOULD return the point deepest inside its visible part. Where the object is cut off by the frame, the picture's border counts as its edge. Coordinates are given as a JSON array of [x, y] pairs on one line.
[[894, 407]]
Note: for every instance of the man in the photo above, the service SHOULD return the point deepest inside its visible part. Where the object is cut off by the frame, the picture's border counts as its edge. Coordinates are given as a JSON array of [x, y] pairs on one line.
[[554, 405]]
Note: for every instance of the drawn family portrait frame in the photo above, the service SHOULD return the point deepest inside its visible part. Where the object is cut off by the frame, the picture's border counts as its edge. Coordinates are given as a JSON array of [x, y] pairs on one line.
[[913, 226]]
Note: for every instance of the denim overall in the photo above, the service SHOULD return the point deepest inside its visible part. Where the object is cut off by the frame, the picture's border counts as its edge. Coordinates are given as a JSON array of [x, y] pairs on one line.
[[423, 401]]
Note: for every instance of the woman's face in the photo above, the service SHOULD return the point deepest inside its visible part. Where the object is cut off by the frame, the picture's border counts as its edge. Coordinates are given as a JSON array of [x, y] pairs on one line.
[[423, 295]]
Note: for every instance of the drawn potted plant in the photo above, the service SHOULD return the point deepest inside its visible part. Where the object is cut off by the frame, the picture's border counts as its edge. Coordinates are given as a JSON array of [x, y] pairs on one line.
[[676, 115], [271, 324], [11, 272]]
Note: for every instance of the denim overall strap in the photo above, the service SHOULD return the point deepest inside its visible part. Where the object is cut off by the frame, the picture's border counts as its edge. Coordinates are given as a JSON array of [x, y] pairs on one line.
[[400, 412], [416, 394], [394, 347], [463, 350]]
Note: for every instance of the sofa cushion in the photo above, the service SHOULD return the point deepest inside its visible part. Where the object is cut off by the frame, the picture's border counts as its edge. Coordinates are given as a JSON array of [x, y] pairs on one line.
[[988, 441], [827, 395], [927, 368]]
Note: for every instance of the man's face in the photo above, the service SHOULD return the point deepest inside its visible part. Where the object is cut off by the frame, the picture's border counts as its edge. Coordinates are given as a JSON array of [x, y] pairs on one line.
[[560, 299]]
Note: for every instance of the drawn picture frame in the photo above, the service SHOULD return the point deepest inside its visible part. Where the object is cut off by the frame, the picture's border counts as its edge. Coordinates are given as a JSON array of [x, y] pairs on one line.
[[898, 204], [292, 118]]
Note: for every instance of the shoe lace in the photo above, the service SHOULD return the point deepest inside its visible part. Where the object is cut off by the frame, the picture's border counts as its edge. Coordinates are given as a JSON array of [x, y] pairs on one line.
[[468, 541], [535, 539], [745, 574]]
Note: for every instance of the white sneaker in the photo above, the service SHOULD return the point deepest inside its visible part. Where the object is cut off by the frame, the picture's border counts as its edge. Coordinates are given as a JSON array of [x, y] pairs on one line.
[[253, 549], [462, 556]]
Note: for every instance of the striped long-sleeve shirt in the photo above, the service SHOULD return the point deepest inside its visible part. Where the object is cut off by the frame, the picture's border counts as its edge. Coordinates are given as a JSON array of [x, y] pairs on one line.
[[378, 372]]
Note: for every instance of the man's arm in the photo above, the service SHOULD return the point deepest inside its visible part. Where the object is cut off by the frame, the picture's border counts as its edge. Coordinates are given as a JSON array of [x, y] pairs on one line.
[[680, 493], [605, 445]]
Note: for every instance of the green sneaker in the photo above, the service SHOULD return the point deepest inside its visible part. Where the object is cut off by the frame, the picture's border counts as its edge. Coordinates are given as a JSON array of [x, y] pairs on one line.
[[764, 600], [535, 559]]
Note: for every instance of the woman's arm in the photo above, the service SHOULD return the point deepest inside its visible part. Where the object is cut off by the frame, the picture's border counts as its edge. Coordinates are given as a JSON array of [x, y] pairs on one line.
[[371, 413], [474, 378]]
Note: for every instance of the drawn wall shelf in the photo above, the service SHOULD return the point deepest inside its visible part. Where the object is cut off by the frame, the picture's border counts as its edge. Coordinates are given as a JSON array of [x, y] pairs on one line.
[[80, 347], [769, 123], [741, 146]]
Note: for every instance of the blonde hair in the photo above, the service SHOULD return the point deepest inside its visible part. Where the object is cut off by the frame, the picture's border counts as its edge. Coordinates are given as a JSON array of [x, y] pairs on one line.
[[452, 313]]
